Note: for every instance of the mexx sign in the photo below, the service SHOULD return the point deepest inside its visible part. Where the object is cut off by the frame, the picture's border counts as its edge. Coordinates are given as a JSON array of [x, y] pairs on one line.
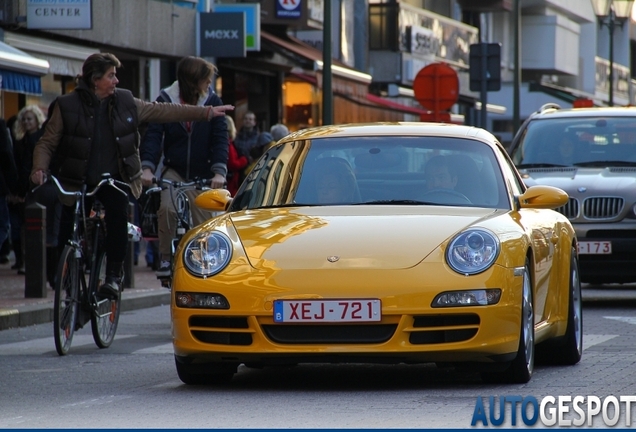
[[221, 34]]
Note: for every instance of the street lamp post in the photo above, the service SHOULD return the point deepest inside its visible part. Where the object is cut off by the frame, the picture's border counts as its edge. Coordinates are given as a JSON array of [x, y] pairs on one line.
[[612, 13]]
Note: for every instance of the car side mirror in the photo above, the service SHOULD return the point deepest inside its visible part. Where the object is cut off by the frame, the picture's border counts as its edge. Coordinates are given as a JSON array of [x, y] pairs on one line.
[[543, 197], [214, 200]]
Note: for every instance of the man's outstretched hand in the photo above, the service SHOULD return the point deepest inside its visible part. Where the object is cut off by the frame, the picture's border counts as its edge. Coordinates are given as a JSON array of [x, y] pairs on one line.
[[220, 110]]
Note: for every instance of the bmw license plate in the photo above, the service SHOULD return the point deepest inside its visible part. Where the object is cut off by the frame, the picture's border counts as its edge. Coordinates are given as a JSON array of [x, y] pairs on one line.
[[318, 311], [595, 248]]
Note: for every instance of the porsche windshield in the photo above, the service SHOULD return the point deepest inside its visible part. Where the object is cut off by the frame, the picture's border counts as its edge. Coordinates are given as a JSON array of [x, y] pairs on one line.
[[396, 170]]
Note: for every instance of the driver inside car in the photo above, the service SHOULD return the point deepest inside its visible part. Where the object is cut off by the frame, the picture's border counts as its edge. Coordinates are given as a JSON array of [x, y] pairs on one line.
[[439, 174]]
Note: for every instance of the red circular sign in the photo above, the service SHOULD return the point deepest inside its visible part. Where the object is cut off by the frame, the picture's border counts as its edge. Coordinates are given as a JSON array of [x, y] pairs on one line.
[[436, 87]]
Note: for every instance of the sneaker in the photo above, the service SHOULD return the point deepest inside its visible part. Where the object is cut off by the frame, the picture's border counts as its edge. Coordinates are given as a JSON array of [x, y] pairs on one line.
[[110, 288], [164, 270]]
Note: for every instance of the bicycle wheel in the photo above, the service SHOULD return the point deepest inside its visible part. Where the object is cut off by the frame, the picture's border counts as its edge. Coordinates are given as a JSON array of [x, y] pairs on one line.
[[105, 316], [66, 303]]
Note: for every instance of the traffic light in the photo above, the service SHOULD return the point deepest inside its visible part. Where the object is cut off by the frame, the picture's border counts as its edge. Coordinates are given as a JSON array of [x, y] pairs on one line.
[[490, 53]]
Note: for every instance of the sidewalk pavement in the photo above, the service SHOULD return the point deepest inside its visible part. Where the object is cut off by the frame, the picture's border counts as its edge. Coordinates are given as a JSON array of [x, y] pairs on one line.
[[18, 311]]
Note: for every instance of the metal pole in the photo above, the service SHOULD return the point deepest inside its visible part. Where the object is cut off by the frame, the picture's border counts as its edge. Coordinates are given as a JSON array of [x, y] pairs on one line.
[[35, 244], [611, 26], [516, 116], [327, 96], [484, 85]]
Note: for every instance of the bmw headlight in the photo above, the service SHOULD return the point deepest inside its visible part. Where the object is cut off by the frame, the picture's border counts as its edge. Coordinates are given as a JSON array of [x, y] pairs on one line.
[[207, 254], [472, 251]]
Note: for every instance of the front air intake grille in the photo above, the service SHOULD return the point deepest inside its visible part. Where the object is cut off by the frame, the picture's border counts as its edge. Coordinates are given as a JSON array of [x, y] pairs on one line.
[[330, 334], [602, 207], [219, 322], [208, 329], [570, 210], [223, 338], [439, 329]]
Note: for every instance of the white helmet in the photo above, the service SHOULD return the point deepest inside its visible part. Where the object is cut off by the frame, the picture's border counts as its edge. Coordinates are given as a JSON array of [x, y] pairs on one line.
[[134, 233]]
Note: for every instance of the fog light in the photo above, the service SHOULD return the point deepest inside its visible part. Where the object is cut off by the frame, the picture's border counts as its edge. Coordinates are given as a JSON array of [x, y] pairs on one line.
[[482, 297], [200, 300]]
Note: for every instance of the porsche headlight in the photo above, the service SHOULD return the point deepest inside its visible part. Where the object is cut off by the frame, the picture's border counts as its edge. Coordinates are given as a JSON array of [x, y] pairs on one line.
[[207, 254], [472, 251]]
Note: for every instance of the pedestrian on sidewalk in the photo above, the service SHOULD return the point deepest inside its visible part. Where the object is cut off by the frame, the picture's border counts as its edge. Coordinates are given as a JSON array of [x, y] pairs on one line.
[[27, 131], [8, 176], [94, 130]]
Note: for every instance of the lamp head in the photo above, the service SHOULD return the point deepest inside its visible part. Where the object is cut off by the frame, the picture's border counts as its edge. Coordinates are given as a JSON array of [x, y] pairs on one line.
[[622, 8], [601, 8]]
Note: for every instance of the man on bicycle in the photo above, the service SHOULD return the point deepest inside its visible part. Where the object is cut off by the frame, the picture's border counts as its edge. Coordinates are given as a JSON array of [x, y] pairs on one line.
[[94, 130], [191, 150]]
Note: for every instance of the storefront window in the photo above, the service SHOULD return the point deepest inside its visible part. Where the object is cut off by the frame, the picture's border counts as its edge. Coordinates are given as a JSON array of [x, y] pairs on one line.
[[302, 105]]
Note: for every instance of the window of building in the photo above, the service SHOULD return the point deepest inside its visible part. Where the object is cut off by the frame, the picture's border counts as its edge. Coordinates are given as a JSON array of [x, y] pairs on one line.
[[383, 27]]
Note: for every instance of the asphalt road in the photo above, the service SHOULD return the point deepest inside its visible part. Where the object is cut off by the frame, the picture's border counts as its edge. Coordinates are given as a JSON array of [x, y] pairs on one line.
[[133, 384]]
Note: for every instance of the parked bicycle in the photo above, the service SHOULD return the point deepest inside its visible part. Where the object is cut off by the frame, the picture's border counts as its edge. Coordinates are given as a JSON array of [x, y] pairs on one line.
[[81, 270], [181, 203]]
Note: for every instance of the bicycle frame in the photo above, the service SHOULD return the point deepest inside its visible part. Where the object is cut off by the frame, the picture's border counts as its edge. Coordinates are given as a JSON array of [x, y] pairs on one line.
[[76, 301], [181, 204]]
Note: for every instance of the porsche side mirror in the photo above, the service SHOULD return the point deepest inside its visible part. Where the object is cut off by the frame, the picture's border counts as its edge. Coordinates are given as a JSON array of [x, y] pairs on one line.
[[543, 197], [214, 200]]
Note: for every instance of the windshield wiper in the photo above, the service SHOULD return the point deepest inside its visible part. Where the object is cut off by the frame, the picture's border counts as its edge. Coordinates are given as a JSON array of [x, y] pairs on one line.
[[396, 202], [606, 163], [286, 205], [540, 165]]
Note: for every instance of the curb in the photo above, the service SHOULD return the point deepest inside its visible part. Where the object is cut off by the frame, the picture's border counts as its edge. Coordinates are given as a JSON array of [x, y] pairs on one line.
[[132, 299]]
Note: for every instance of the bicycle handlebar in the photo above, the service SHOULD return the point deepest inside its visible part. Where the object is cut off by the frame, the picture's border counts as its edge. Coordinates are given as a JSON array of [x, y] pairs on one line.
[[200, 184], [105, 180]]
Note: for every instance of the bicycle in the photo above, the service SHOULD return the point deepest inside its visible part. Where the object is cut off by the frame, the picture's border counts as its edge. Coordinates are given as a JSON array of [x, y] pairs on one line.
[[76, 301], [181, 203]]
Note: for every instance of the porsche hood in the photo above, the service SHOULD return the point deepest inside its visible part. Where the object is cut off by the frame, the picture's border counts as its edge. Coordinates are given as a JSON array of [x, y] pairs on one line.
[[330, 237]]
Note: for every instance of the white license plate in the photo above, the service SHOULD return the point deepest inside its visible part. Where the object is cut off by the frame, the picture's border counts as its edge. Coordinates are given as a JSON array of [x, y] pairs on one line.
[[595, 248], [318, 311]]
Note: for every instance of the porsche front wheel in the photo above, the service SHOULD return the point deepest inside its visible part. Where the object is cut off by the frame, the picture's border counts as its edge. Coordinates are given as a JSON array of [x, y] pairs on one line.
[[521, 368]]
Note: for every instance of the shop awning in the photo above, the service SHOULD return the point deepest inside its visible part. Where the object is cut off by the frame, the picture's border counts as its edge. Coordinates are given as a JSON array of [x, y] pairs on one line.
[[15, 60], [395, 105], [565, 94], [20, 82], [20, 72], [64, 58], [299, 48]]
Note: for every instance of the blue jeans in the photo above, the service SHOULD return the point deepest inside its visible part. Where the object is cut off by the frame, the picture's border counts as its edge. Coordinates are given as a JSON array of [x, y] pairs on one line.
[[4, 219]]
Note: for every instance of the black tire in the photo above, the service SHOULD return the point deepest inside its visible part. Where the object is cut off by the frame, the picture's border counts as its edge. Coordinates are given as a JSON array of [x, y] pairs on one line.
[[568, 349], [521, 368], [66, 302], [205, 373], [105, 314]]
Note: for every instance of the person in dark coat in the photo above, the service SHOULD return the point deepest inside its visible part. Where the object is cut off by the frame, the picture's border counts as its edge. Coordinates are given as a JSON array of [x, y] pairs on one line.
[[247, 136], [8, 177], [27, 130], [94, 130], [191, 150]]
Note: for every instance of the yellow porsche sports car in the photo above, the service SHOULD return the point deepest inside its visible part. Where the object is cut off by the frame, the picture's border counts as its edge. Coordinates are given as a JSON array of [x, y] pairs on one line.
[[384, 243]]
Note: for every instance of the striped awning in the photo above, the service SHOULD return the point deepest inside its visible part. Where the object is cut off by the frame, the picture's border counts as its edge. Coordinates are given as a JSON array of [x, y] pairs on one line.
[[19, 71]]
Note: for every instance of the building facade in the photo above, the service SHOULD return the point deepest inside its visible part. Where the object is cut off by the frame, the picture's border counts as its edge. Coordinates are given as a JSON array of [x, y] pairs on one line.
[[377, 47]]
